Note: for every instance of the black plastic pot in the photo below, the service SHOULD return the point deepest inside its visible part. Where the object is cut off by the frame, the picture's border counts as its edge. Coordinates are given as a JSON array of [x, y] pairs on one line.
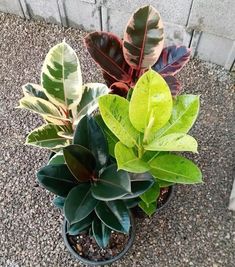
[[139, 213], [94, 263]]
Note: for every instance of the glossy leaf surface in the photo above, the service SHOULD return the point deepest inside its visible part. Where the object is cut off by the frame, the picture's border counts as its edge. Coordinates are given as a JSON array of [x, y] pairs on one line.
[[151, 103], [58, 158], [80, 226], [101, 233], [143, 38], [151, 195], [127, 160], [173, 84], [57, 179], [176, 169], [173, 142], [61, 76], [115, 113], [80, 161], [112, 184], [184, 114], [59, 202], [148, 209], [119, 88], [172, 60], [114, 214], [106, 49], [79, 203], [47, 136], [35, 90]]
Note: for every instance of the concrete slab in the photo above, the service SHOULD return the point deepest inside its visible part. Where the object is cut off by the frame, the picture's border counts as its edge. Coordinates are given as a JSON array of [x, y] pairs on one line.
[[213, 16], [11, 6], [174, 11], [215, 49], [83, 14]]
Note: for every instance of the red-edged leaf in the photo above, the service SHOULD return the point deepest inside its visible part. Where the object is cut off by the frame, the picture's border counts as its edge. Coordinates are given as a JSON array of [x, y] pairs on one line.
[[119, 88], [172, 60], [109, 80], [143, 38], [173, 84], [106, 49]]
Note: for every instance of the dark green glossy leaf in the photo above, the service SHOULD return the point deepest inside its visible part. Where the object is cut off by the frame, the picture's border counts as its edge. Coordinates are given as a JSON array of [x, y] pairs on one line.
[[129, 94], [143, 38], [36, 90], [112, 184], [151, 194], [114, 214], [176, 169], [111, 138], [140, 182], [80, 161], [59, 202], [79, 203], [76, 228], [90, 135], [57, 179], [148, 209], [57, 158], [132, 202], [101, 233]]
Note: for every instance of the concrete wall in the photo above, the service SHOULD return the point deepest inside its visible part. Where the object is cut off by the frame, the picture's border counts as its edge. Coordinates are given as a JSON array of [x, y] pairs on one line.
[[207, 26]]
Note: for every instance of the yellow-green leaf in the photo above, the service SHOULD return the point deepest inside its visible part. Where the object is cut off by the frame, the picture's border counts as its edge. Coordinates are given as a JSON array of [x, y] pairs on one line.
[[150, 104]]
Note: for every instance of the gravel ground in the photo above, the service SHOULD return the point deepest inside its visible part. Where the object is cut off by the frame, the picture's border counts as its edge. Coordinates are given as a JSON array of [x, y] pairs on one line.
[[197, 229]]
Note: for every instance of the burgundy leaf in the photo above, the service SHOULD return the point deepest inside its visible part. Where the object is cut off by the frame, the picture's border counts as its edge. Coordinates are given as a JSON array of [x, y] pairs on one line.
[[109, 80], [172, 60], [119, 88], [173, 84], [106, 49]]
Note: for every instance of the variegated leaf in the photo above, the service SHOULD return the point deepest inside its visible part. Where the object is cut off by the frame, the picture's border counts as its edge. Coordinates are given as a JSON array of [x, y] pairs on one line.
[[61, 76], [143, 38], [173, 84], [106, 49], [36, 90], [44, 108], [172, 60], [47, 136]]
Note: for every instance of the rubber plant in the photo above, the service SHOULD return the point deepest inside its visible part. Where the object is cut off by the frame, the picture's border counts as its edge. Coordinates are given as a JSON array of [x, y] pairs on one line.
[[144, 133], [124, 61], [93, 194], [61, 99]]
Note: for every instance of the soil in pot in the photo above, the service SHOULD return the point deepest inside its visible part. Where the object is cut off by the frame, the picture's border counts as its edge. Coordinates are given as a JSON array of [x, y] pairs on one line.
[[86, 246]]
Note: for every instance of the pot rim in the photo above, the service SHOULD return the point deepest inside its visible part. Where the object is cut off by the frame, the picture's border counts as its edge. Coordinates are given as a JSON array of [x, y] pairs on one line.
[[95, 263]]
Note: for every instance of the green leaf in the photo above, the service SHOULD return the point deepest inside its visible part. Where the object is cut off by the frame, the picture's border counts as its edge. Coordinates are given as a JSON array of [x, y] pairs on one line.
[[44, 108], [184, 114], [35, 90], [132, 202], [59, 202], [127, 160], [162, 183], [173, 142], [79, 203], [58, 158], [139, 184], [112, 184], [151, 103], [151, 195], [89, 101], [143, 38], [114, 214], [80, 226], [47, 136], [90, 135], [80, 161], [101, 233], [176, 169], [61, 76], [115, 113], [129, 94], [57, 179], [148, 209], [111, 138]]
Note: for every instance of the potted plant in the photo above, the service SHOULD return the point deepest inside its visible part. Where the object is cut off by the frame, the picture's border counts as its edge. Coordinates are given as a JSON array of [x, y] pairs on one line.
[[61, 99], [95, 197], [147, 129], [123, 61]]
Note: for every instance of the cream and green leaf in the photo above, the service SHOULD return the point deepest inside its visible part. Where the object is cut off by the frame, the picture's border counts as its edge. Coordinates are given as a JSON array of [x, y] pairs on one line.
[[61, 99], [149, 128]]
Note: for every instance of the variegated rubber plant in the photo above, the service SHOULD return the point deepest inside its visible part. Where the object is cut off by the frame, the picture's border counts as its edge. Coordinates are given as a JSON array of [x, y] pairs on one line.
[[61, 99], [124, 61], [143, 133]]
